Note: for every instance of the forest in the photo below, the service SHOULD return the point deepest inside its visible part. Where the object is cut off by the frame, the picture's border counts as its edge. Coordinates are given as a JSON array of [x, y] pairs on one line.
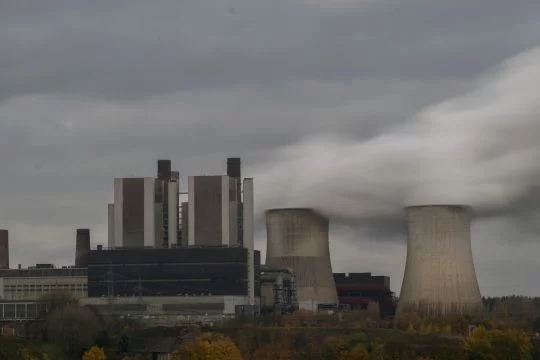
[[507, 330]]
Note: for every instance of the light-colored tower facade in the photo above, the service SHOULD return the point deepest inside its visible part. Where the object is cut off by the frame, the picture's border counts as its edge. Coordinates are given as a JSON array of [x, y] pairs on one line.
[[440, 277], [299, 239]]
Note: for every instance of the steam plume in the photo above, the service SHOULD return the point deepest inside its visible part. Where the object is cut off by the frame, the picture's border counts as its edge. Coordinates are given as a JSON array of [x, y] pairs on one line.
[[481, 149]]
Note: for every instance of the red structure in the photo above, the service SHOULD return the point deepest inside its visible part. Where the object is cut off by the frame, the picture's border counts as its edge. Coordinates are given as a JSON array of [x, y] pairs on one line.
[[357, 290]]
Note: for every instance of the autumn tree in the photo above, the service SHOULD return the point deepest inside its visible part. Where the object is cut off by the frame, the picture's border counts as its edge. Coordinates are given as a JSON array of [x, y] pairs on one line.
[[498, 345], [356, 353], [209, 346], [94, 353]]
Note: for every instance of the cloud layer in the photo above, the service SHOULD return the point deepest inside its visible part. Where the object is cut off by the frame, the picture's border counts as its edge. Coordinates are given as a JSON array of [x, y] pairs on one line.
[[327, 102]]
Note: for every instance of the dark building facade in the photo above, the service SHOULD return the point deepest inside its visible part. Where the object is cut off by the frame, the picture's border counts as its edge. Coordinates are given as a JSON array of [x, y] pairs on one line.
[[170, 272], [357, 290]]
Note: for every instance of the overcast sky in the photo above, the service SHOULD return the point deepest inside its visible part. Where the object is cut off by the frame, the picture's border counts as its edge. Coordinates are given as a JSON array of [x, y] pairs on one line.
[[356, 107]]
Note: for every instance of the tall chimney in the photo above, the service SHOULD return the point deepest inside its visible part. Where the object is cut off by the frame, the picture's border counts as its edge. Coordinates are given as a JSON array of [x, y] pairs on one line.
[[82, 248], [234, 167], [164, 169], [4, 249]]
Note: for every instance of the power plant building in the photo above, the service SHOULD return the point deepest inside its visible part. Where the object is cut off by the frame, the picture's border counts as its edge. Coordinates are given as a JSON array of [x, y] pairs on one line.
[[440, 277], [299, 239], [212, 211], [145, 210]]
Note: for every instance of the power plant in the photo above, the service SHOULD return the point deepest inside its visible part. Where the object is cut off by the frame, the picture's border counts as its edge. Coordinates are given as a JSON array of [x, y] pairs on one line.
[[440, 278], [298, 239]]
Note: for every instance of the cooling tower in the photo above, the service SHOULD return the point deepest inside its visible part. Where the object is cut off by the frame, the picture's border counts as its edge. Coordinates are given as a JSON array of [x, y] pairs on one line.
[[4, 249], [298, 239], [82, 248], [440, 278]]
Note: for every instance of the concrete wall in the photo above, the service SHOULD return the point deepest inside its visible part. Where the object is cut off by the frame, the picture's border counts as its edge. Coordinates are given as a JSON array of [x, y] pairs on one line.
[[298, 239], [440, 277]]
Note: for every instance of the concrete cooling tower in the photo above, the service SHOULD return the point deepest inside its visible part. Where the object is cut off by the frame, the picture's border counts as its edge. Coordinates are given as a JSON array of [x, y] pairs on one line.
[[298, 239], [440, 278]]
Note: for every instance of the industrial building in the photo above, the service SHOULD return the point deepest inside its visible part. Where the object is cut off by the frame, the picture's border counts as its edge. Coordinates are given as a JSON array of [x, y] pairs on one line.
[[215, 208], [440, 277], [298, 239], [32, 283], [145, 210], [179, 281], [278, 290], [357, 290]]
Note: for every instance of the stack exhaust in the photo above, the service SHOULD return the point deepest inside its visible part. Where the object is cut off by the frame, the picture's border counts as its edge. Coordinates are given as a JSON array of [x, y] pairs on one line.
[[440, 277], [4, 249], [298, 239], [82, 248]]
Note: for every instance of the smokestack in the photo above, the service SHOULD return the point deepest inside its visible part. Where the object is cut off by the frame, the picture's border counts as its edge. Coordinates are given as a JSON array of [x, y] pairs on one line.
[[234, 167], [298, 239], [164, 169], [440, 278], [4, 249], [82, 248]]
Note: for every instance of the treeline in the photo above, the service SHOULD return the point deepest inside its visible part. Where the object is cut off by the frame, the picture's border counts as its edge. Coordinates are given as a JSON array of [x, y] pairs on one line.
[[67, 331]]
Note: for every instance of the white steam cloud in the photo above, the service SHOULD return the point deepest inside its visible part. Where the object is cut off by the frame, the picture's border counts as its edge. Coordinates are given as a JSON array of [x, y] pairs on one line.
[[481, 149]]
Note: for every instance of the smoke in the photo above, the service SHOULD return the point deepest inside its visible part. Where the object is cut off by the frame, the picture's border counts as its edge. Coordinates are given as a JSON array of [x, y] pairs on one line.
[[480, 149]]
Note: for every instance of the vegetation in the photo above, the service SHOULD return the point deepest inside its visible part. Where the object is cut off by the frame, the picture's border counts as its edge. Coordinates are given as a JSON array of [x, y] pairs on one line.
[[68, 331]]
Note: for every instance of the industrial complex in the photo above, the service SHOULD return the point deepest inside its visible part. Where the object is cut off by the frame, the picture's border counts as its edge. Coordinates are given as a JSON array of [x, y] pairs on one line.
[[169, 261]]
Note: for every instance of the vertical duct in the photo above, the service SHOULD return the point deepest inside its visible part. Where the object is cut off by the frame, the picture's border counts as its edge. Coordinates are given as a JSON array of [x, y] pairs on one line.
[[440, 278], [234, 171], [110, 241], [299, 239], [185, 224], [82, 248], [249, 234], [4, 249], [173, 188]]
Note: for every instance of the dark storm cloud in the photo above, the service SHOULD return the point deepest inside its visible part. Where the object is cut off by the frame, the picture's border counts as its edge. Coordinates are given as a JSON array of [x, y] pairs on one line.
[[135, 49], [95, 90]]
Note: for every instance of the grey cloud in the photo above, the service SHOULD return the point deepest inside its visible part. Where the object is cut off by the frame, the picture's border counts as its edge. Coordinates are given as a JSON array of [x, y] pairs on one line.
[[134, 50], [95, 90]]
